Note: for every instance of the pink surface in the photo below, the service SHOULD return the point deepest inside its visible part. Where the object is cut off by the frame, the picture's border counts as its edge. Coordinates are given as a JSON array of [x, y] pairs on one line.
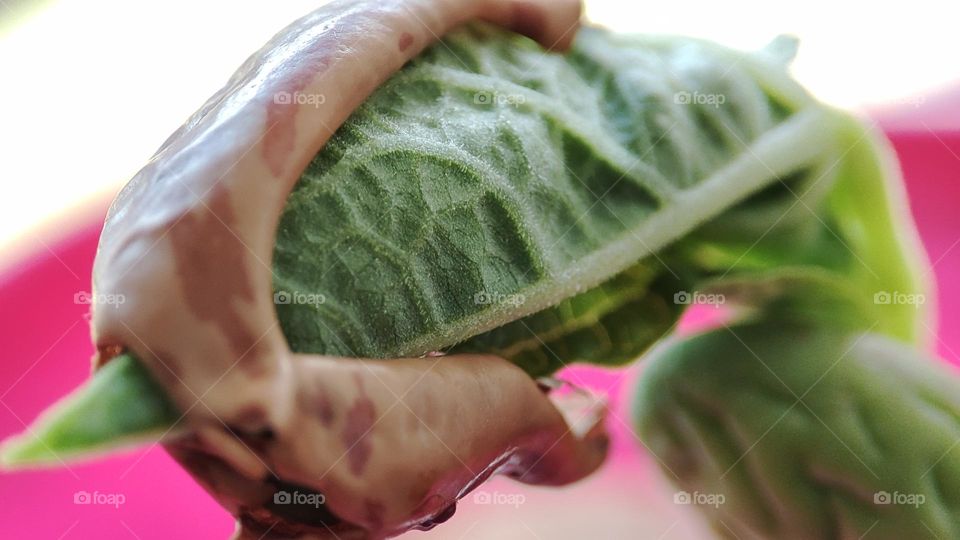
[[47, 340], [937, 109]]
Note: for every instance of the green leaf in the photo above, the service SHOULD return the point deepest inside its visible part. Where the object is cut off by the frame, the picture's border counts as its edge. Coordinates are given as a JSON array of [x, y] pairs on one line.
[[846, 216], [119, 406], [869, 207], [806, 431], [490, 169]]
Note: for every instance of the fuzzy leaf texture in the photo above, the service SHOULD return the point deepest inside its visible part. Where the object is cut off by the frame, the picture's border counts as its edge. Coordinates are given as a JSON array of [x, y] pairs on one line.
[[488, 181]]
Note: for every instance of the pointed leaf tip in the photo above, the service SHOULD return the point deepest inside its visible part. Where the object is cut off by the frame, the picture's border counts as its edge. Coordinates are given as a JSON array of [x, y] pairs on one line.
[[119, 407]]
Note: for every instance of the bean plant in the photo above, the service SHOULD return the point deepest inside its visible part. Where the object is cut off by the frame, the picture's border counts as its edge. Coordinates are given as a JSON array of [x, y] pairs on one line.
[[555, 209]]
